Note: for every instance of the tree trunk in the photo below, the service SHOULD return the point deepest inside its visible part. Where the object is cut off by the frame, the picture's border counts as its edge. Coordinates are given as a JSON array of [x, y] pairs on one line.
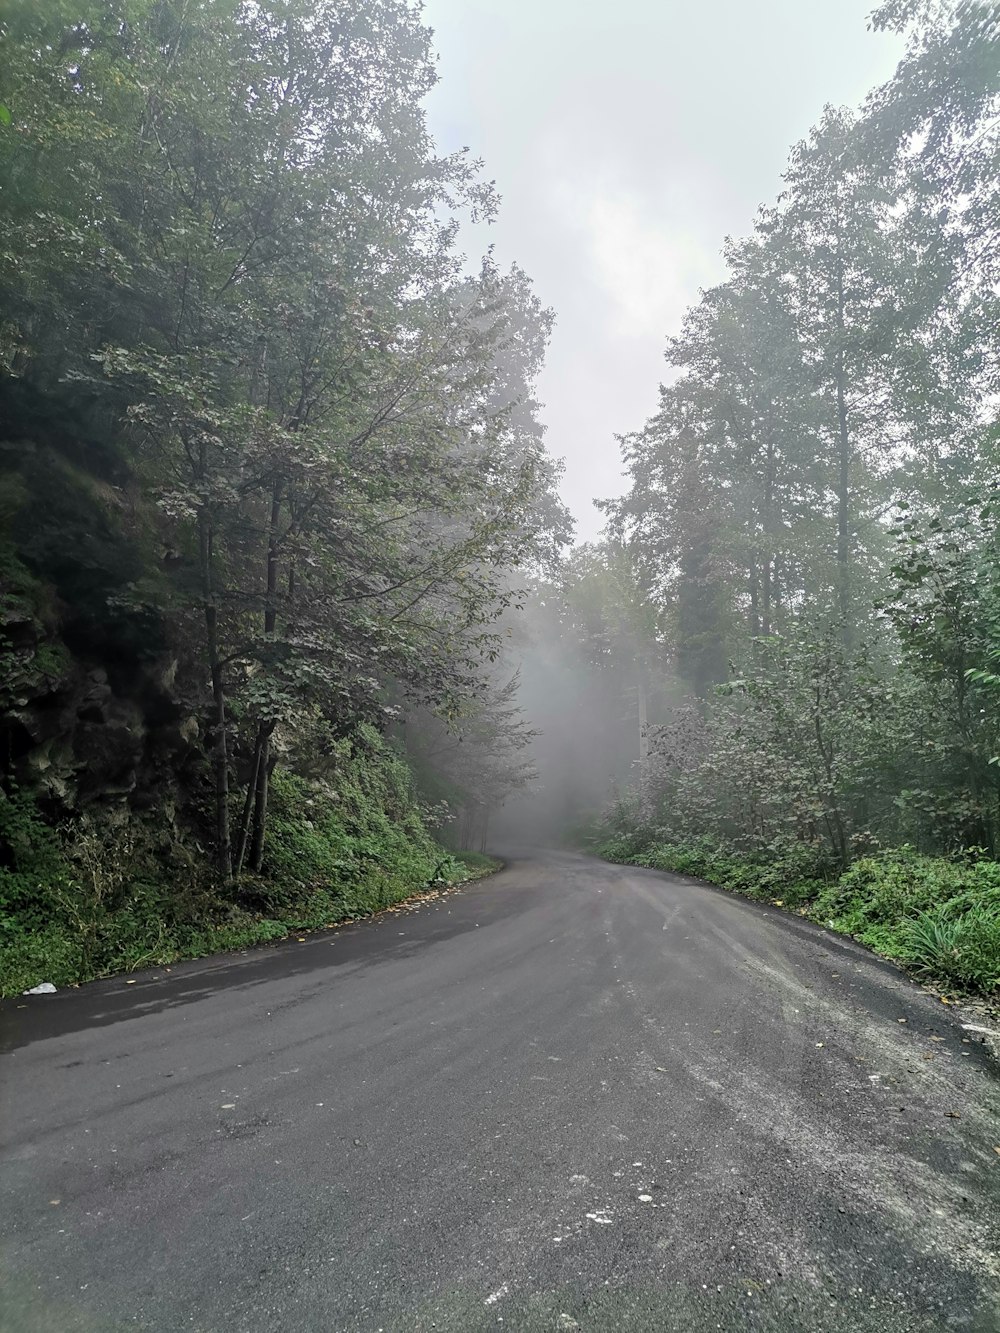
[[248, 807], [643, 727], [843, 482], [260, 800], [263, 766], [221, 736], [767, 581]]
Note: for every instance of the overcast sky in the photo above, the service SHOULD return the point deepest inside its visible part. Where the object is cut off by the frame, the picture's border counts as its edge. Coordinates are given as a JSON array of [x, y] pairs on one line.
[[627, 140]]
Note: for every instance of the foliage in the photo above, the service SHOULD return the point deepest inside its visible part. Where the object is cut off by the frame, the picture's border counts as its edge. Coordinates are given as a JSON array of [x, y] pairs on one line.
[[271, 465], [962, 950], [812, 522], [276, 428]]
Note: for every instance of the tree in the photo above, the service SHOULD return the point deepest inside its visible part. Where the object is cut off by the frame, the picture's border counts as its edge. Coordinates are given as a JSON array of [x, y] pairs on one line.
[[336, 424]]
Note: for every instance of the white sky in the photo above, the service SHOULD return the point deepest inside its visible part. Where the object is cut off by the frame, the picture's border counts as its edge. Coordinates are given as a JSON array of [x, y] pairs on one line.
[[627, 141]]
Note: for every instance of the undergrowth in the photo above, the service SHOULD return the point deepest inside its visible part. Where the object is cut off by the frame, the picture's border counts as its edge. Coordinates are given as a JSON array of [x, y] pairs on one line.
[[109, 896]]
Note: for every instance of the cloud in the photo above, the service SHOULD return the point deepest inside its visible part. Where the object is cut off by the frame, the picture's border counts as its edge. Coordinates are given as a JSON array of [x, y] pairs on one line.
[[648, 271]]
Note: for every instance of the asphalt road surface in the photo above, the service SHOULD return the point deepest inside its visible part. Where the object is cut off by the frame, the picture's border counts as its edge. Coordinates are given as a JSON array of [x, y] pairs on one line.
[[572, 1096]]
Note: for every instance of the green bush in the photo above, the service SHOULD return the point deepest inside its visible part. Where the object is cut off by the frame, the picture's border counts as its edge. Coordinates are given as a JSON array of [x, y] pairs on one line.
[[32, 865], [881, 889], [962, 948], [335, 852]]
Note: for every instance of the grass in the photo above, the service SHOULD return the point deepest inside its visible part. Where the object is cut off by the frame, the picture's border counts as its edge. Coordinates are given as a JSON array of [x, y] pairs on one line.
[[115, 896], [136, 935], [478, 864]]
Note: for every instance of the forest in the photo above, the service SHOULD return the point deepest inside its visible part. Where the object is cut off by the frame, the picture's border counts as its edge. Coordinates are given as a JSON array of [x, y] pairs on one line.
[[812, 524], [272, 474], [291, 621]]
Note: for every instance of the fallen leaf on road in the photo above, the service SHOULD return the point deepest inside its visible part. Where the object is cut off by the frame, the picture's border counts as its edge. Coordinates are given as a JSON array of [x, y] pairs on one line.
[[228, 1106], [953, 1115]]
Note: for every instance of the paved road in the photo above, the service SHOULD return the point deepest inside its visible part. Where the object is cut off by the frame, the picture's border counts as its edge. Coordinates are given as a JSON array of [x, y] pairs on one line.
[[573, 1096]]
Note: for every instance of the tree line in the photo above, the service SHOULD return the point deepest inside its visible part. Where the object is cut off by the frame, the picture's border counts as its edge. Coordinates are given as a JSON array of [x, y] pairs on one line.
[[230, 238], [811, 515], [272, 461]]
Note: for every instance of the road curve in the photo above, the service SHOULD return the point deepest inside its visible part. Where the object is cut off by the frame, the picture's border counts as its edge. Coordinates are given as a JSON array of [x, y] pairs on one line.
[[572, 1096]]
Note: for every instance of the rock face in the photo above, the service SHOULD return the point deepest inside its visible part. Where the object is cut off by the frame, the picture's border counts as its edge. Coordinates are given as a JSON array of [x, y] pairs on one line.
[[76, 738], [92, 702]]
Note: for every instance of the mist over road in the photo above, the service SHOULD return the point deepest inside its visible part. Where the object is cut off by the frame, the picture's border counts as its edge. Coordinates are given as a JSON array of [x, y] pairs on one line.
[[572, 1096]]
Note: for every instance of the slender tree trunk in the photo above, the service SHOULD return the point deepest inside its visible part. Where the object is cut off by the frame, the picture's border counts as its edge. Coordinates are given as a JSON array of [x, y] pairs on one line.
[[843, 481], [776, 587], [832, 815], [260, 800], [767, 573], [221, 736], [643, 728], [248, 806], [263, 765]]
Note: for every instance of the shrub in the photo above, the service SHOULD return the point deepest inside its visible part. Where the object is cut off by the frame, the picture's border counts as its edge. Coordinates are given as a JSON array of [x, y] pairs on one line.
[[962, 948], [888, 887], [117, 893]]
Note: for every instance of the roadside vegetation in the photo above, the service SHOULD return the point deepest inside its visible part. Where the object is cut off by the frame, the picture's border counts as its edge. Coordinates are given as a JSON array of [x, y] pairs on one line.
[[271, 474], [113, 895], [797, 601]]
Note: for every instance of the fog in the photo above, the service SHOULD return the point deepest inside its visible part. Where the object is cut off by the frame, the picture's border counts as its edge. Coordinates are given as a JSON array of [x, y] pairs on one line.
[[588, 741]]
